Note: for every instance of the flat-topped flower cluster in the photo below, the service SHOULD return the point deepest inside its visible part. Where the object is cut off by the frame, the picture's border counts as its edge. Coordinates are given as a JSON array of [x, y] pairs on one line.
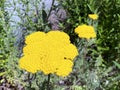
[[85, 31], [49, 52]]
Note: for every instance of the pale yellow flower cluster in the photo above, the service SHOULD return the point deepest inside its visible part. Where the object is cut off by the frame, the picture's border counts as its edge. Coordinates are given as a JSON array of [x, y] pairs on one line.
[[49, 52], [85, 31], [93, 16]]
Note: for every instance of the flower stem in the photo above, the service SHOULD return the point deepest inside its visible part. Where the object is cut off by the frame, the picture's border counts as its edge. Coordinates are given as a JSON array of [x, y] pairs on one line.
[[48, 82], [84, 55]]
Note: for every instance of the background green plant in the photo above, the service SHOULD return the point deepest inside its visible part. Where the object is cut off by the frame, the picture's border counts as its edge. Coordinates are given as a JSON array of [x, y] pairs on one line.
[[109, 30], [3, 46]]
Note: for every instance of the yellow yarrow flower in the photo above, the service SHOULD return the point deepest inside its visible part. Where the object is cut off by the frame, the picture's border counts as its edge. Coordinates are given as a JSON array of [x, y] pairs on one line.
[[85, 31], [93, 16], [49, 52]]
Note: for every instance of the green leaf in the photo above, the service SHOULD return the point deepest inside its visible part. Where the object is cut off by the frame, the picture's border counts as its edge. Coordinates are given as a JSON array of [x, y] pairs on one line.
[[117, 64], [44, 16], [75, 87], [2, 73], [99, 61]]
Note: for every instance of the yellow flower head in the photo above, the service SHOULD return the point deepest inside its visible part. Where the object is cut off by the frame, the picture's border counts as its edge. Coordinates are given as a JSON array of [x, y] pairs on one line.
[[85, 31], [93, 16], [49, 52]]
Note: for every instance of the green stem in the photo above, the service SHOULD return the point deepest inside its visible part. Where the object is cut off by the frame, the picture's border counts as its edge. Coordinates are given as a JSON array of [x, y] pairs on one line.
[[48, 82], [84, 55], [85, 49]]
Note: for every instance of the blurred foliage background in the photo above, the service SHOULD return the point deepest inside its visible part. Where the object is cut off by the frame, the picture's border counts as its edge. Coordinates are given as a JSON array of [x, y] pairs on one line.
[[96, 68]]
